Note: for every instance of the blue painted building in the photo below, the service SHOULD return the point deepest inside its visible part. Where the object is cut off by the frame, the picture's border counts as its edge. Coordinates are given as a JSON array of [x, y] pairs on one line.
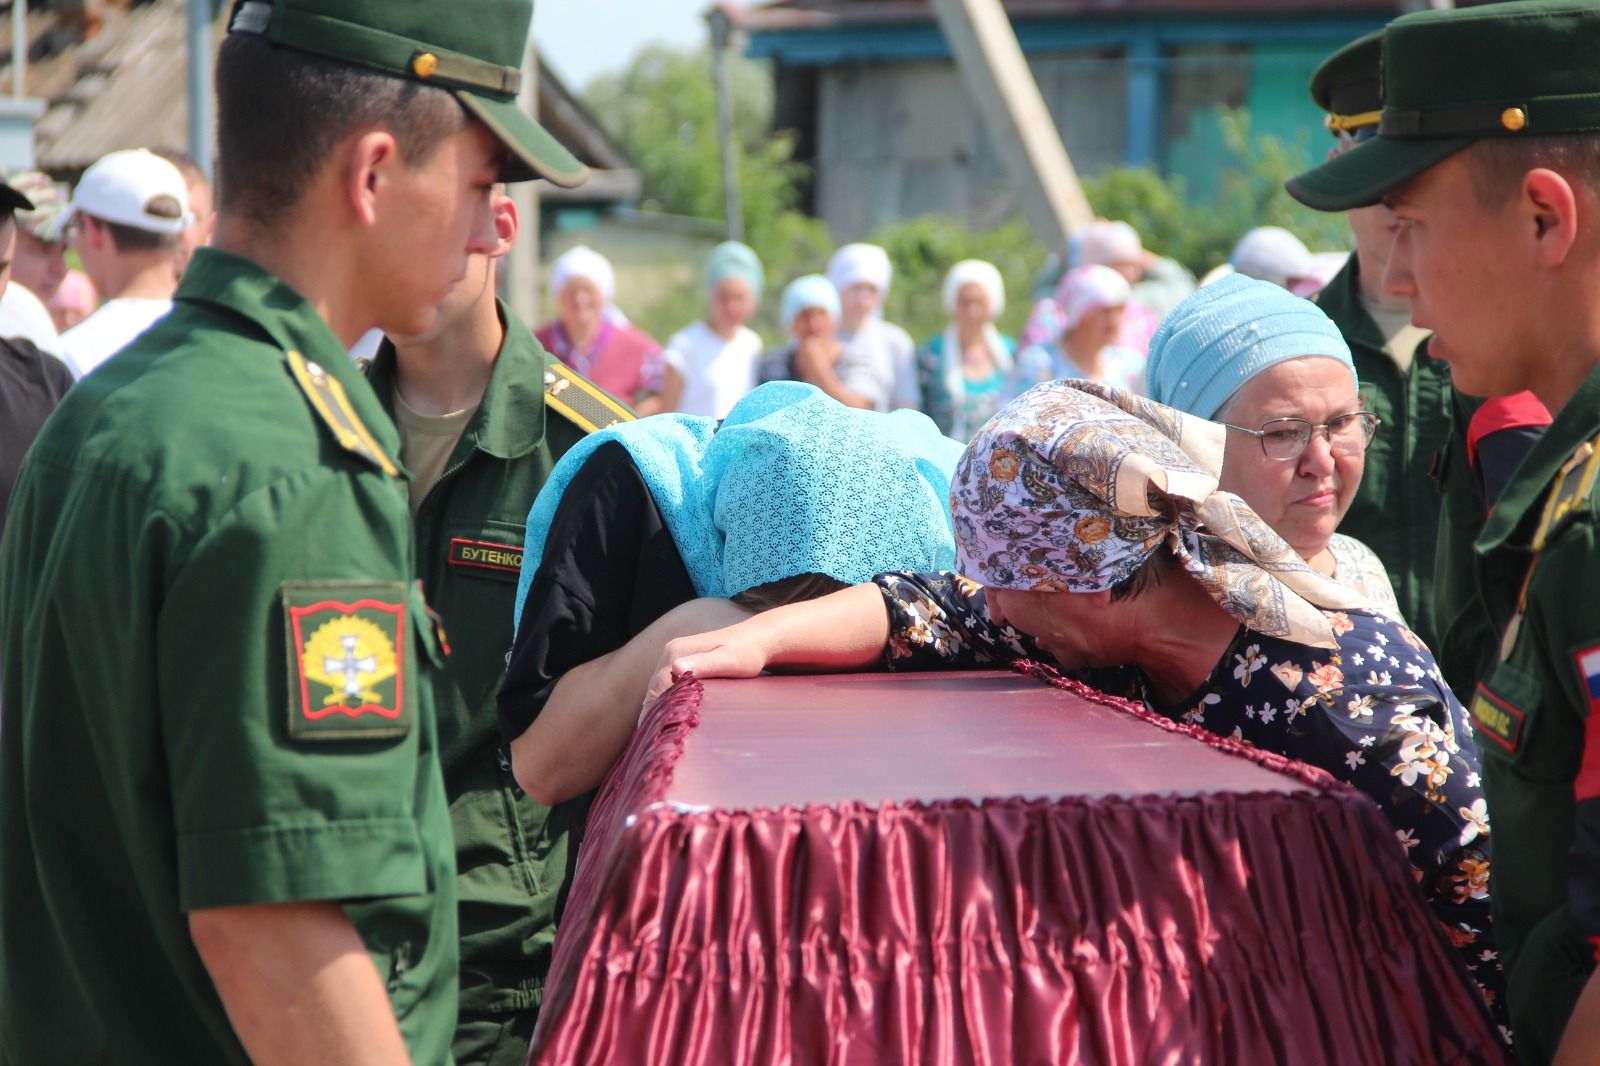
[[871, 90]]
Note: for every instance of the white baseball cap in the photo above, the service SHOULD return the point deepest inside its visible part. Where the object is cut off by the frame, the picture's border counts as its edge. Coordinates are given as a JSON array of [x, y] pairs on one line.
[[122, 187]]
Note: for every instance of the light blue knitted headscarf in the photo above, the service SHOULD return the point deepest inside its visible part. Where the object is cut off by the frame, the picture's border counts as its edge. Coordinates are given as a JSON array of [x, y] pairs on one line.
[[812, 290], [793, 482], [1228, 332], [730, 259]]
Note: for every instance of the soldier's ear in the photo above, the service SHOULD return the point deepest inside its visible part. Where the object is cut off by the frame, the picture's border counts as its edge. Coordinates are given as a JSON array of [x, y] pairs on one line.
[[507, 223], [369, 159], [1551, 206]]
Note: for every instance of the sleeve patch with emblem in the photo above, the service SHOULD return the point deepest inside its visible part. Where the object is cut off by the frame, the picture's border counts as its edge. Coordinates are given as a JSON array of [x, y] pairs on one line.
[[347, 666], [1496, 718], [1587, 785]]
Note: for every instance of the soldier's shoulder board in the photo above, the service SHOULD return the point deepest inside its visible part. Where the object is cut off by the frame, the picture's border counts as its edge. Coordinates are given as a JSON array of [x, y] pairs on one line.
[[332, 404], [1570, 494], [579, 400]]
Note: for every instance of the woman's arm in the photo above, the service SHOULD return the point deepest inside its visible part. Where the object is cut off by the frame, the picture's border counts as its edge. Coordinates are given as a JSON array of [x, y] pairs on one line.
[[647, 403], [586, 724], [817, 362], [847, 630]]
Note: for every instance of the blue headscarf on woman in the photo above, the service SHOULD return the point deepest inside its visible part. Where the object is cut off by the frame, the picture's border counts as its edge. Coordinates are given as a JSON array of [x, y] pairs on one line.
[[793, 482]]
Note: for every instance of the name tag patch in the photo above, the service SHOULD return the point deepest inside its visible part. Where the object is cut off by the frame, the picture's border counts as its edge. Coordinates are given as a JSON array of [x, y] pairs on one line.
[[486, 555], [347, 667], [1497, 719]]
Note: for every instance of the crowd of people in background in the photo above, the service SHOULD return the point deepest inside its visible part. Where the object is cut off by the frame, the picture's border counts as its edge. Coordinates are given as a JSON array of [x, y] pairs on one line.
[[1096, 306], [135, 217]]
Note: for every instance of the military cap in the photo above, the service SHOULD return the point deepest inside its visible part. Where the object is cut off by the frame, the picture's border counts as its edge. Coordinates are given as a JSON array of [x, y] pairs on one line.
[[471, 48], [1451, 77], [47, 203], [1346, 86], [13, 200]]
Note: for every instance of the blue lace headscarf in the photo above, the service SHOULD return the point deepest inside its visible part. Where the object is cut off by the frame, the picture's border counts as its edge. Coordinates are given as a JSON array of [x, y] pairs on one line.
[[792, 483]]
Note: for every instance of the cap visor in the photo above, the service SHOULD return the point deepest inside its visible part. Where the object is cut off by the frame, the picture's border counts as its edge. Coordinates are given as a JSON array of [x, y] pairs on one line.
[[534, 152], [1361, 176], [14, 199]]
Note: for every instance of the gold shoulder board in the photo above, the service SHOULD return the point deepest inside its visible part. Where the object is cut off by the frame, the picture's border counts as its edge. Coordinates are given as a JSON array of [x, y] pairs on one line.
[[329, 400], [1571, 491], [579, 400]]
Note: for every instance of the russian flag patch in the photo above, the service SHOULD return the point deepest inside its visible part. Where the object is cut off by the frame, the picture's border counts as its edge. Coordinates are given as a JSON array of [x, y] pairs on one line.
[[1588, 660]]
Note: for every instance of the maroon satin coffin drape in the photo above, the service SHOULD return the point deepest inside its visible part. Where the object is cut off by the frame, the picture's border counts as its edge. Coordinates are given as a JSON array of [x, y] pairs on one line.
[[986, 868]]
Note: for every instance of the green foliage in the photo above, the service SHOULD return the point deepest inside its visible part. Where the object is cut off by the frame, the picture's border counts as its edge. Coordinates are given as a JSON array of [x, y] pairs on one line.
[[1201, 234], [662, 109], [924, 249]]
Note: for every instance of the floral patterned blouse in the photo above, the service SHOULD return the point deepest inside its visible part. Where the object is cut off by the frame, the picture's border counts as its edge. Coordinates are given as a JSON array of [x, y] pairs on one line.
[[1375, 714], [1358, 567]]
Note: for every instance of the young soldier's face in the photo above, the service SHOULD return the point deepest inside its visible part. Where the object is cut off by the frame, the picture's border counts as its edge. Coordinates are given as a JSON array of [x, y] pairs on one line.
[[436, 214], [1464, 267]]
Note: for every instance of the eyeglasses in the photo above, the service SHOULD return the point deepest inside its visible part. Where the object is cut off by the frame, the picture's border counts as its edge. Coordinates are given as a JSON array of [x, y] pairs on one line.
[[1348, 139], [1286, 438]]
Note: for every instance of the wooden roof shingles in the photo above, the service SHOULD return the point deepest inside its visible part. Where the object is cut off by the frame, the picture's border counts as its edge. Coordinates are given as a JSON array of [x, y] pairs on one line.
[[127, 87]]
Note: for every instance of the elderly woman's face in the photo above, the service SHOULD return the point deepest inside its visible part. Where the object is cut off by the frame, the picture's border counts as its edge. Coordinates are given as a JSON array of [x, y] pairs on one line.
[[1073, 627], [859, 300], [579, 304], [1099, 327], [972, 306], [1303, 498]]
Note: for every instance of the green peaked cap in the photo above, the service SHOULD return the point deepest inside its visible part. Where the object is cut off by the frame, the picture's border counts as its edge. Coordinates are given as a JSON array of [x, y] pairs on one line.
[[1519, 69], [471, 48], [1347, 82]]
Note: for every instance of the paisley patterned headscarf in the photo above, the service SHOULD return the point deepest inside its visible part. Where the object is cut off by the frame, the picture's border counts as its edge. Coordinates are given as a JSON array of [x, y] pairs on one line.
[[1073, 485]]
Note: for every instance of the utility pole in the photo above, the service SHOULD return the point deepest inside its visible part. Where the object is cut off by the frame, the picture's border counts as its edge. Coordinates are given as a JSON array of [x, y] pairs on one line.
[[519, 270], [721, 32], [200, 13], [1018, 123], [19, 49]]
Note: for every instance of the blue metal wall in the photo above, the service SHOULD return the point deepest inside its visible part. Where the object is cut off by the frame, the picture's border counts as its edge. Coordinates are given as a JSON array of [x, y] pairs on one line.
[[1279, 51]]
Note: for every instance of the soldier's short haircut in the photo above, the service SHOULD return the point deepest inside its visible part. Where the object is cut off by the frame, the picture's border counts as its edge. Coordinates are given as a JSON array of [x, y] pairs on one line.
[[281, 111], [1497, 164]]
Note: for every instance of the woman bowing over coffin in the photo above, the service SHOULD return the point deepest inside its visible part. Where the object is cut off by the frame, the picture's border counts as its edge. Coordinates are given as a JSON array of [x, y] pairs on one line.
[[1090, 533]]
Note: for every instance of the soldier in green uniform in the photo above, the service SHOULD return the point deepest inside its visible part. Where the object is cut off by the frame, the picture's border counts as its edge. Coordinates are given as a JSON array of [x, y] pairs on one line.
[[1423, 497], [1395, 512], [1488, 152], [222, 821], [483, 414]]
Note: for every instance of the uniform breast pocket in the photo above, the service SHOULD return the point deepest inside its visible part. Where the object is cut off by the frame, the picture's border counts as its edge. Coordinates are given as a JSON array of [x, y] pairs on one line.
[[1505, 713], [488, 550]]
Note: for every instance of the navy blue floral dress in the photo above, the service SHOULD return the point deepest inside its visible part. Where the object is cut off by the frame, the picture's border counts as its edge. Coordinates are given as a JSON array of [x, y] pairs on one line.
[[1375, 714]]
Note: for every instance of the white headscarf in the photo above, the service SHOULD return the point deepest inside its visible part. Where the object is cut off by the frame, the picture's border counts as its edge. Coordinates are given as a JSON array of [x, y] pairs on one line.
[[1102, 243], [1271, 253], [861, 262], [583, 262], [975, 272], [987, 276]]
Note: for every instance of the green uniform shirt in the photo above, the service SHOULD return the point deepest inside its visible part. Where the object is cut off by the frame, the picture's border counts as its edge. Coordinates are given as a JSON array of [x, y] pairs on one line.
[[1466, 636], [1395, 511], [513, 854], [1530, 713], [217, 678]]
